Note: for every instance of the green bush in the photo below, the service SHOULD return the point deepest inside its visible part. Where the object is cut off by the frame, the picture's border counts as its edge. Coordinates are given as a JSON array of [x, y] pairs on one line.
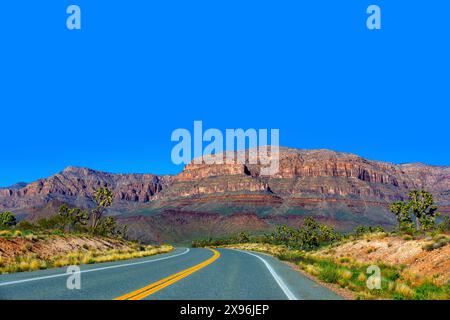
[[429, 291], [26, 226], [7, 220], [329, 274], [362, 230], [444, 226]]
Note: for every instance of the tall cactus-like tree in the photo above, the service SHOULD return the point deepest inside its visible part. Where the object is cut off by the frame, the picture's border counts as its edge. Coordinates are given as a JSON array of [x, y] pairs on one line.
[[423, 208], [420, 206], [104, 198]]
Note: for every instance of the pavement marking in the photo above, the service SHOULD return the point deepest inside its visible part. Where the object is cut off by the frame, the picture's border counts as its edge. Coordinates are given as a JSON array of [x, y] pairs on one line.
[[92, 270], [161, 284], [277, 278]]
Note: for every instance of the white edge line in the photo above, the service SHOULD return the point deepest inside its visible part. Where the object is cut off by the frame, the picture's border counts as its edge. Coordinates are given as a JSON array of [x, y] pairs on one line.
[[92, 270], [277, 278]]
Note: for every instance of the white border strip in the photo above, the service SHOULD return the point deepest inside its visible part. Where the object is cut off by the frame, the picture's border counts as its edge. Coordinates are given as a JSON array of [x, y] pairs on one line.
[[277, 278], [92, 270]]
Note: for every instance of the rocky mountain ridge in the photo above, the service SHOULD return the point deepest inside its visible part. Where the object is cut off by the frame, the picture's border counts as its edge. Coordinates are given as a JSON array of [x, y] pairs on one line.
[[334, 185]]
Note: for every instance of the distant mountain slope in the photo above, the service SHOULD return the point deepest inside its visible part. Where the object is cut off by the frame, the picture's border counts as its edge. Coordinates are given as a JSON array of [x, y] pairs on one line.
[[77, 185], [342, 188], [18, 185]]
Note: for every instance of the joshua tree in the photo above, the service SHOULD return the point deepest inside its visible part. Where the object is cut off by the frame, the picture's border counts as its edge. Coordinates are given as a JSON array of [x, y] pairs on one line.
[[243, 237], [104, 199], [423, 208]]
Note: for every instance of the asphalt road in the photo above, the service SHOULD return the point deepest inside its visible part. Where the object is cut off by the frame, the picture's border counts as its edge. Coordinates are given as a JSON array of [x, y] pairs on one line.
[[182, 274]]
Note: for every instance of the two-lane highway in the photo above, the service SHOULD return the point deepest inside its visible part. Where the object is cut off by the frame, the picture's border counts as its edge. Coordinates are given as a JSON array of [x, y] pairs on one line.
[[182, 274]]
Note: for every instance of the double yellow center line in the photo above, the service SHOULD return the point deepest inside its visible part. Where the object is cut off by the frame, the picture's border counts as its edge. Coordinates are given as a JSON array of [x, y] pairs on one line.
[[161, 284]]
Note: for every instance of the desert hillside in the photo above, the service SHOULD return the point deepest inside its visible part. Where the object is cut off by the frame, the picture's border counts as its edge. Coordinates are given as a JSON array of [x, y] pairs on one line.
[[21, 251], [417, 257]]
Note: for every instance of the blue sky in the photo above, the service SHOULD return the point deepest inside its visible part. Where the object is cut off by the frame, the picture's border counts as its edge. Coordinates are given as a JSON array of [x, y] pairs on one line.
[[109, 96]]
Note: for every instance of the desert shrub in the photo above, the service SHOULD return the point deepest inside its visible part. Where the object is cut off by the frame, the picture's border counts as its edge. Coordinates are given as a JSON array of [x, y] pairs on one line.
[[390, 273], [292, 256], [55, 222], [72, 218], [7, 220], [6, 233], [430, 291], [108, 226], [428, 247], [437, 242], [360, 231], [329, 274], [25, 225], [444, 226]]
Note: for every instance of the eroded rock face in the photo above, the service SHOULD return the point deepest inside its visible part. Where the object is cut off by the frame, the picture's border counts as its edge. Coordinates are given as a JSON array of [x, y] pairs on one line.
[[305, 178], [316, 173], [202, 171]]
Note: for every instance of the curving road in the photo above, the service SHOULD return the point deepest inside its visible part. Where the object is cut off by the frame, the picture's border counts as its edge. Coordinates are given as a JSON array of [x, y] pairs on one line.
[[187, 274]]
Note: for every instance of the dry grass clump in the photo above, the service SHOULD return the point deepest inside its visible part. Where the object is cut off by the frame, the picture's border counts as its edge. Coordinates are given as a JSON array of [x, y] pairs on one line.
[[404, 290], [27, 262], [345, 274], [361, 277], [312, 269]]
